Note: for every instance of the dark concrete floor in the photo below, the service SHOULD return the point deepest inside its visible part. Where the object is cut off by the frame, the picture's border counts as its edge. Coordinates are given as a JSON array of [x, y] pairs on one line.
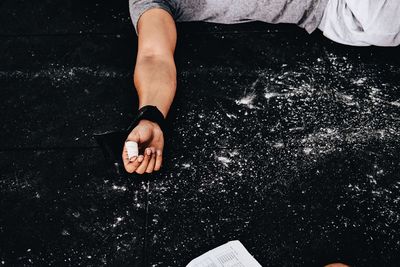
[[283, 140]]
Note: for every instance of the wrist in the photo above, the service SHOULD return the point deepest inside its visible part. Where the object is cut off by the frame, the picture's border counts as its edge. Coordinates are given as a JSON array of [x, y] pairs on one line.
[[151, 126], [149, 114], [147, 123], [163, 110]]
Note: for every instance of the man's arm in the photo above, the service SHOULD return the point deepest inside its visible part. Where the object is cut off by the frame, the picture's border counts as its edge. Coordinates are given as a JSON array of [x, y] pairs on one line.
[[155, 81]]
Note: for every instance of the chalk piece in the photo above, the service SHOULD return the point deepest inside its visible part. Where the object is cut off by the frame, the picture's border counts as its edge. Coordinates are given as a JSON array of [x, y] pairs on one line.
[[132, 148]]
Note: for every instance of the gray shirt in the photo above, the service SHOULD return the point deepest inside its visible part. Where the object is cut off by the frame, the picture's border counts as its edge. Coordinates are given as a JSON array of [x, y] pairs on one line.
[[305, 13]]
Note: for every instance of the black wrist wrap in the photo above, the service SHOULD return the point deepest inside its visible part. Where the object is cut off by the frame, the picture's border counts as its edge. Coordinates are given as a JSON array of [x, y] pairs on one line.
[[151, 113]]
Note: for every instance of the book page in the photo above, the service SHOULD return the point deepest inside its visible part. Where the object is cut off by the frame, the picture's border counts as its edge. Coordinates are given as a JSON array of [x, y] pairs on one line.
[[231, 254]]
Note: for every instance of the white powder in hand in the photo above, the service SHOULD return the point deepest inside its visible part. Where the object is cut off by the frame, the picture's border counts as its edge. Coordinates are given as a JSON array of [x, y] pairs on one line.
[[132, 148]]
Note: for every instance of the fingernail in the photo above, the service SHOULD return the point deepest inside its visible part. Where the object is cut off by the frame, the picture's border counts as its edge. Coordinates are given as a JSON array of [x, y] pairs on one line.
[[132, 159], [140, 159], [158, 152], [148, 152]]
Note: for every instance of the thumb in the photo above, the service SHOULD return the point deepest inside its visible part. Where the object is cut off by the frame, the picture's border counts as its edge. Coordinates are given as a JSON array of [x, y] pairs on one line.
[[130, 151], [133, 136]]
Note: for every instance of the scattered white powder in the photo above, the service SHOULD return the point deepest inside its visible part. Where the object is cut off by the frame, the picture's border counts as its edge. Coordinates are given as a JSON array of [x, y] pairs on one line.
[[118, 220], [231, 116], [307, 150], [278, 145], [269, 95], [186, 165], [247, 101], [395, 103], [360, 81], [224, 160], [119, 188]]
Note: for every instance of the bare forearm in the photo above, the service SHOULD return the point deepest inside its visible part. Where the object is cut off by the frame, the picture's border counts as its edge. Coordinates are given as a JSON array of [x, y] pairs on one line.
[[155, 81]]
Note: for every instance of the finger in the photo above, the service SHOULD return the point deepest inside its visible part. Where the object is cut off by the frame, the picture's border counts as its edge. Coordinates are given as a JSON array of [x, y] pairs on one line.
[[128, 167], [132, 148], [152, 161], [125, 156], [132, 164], [143, 166], [158, 160]]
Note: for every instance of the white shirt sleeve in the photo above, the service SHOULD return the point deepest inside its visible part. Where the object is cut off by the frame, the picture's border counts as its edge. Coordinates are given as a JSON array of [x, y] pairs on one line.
[[362, 22]]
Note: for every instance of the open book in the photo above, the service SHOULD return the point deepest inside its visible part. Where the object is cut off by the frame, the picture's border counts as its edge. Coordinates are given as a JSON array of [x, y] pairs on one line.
[[231, 254]]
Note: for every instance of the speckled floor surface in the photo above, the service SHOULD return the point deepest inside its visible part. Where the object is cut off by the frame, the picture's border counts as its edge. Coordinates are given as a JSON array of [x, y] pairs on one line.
[[285, 141]]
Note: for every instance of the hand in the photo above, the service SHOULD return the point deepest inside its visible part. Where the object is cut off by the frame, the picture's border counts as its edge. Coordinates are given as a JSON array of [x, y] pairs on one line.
[[150, 140]]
